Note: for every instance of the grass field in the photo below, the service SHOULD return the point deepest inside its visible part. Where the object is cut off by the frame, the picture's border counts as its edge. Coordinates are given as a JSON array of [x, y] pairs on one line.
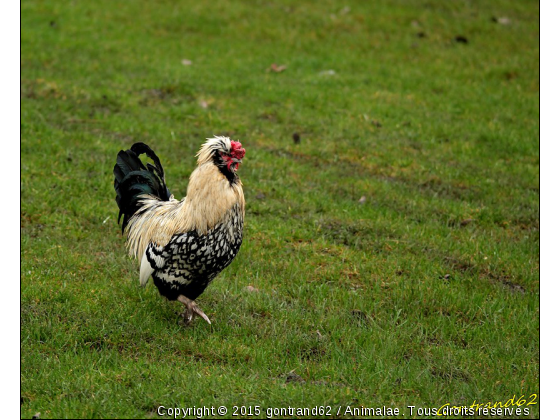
[[395, 248]]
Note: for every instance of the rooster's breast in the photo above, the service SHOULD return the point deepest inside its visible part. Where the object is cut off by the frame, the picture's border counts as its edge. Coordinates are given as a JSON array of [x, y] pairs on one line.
[[193, 260]]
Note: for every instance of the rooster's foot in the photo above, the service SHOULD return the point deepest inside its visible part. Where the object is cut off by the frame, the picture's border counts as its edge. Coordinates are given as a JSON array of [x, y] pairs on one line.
[[191, 309]]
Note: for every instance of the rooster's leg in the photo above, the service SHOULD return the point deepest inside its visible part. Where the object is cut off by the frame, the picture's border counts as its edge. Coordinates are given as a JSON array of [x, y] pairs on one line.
[[191, 309]]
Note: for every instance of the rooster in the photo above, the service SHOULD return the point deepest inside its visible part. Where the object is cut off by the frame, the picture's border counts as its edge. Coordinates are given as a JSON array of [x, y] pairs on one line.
[[183, 245]]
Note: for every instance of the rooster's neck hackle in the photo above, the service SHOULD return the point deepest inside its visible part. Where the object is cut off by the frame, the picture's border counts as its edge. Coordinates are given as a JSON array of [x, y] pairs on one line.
[[209, 197]]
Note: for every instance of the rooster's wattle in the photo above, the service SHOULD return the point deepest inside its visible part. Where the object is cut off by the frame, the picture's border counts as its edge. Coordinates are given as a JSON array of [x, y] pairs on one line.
[[183, 245]]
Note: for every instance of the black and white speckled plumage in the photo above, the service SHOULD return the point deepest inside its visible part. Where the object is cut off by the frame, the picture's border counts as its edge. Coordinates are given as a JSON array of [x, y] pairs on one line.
[[190, 261]]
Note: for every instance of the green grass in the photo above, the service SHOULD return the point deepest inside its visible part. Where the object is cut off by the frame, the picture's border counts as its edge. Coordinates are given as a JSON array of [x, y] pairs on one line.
[[426, 294]]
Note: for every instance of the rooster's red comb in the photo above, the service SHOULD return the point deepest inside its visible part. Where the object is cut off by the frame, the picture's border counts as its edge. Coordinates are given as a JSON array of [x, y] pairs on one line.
[[237, 149]]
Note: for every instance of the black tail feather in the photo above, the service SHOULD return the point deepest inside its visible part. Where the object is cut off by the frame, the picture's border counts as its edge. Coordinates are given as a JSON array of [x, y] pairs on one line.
[[133, 179]]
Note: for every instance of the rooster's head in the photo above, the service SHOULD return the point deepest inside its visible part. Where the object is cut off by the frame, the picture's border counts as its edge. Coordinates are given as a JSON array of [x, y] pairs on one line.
[[226, 154]]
